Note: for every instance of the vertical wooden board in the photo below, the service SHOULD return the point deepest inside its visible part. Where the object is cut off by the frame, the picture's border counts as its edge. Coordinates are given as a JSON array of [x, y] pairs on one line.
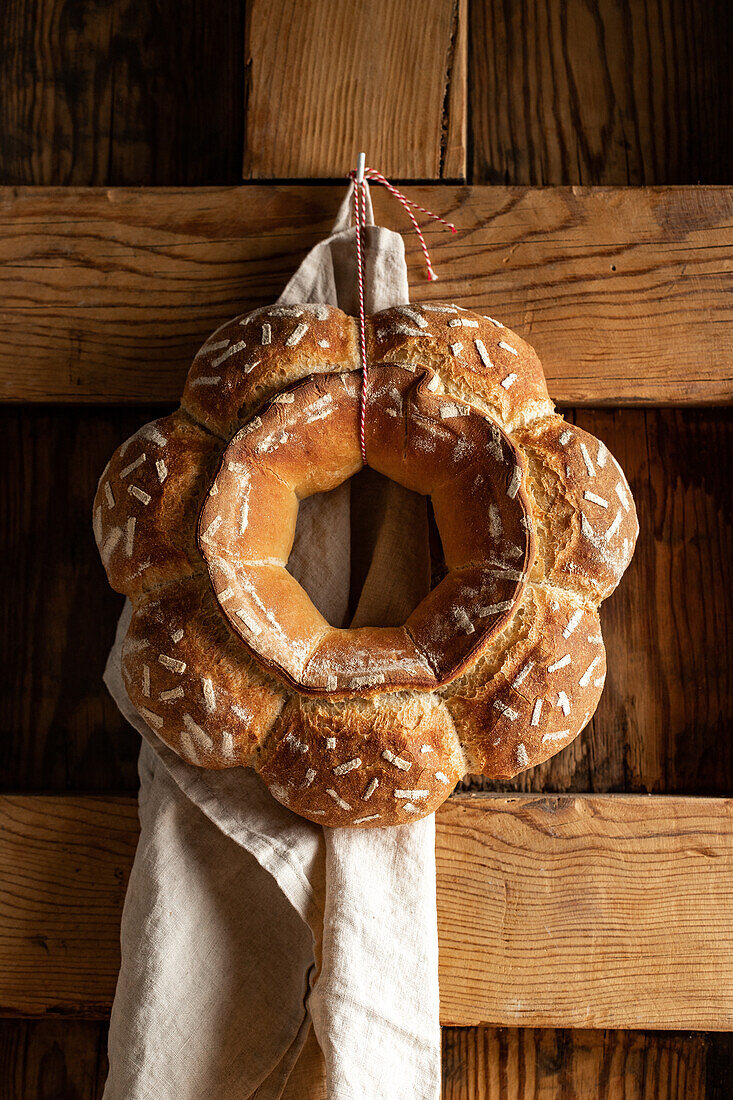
[[551, 1064], [60, 727], [600, 92], [669, 692], [56, 103], [719, 1068], [122, 93], [327, 78], [663, 720], [67, 1060], [178, 111], [52, 1059]]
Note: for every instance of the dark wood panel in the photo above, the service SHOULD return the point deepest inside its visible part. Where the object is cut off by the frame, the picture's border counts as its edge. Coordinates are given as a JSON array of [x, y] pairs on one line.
[[52, 1059], [600, 92], [552, 1064], [625, 293], [60, 728], [121, 92], [720, 1066], [664, 719]]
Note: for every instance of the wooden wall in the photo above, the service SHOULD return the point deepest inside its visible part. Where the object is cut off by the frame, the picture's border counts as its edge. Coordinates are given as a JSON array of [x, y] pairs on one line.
[[539, 92]]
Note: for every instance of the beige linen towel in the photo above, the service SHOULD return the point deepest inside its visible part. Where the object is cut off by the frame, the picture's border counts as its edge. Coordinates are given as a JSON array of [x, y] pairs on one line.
[[245, 925]]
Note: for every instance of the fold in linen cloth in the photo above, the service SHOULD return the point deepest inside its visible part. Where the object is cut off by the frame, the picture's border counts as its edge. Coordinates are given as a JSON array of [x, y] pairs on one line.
[[246, 926]]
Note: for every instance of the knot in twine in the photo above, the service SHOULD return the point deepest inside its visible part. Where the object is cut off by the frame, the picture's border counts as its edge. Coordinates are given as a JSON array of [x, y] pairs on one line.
[[360, 176]]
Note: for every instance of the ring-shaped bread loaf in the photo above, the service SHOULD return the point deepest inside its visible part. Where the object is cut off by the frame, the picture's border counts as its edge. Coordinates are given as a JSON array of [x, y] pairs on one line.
[[307, 441], [228, 660]]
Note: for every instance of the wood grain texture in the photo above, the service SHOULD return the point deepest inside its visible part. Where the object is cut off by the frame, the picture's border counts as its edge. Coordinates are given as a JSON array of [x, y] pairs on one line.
[[600, 92], [67, 1060], [52, 1059], [121, 93], [388, 77], [624, 293], [552, 1064], [605, 911], [65, 864], [61, 729], [549, 908], [664, 717]]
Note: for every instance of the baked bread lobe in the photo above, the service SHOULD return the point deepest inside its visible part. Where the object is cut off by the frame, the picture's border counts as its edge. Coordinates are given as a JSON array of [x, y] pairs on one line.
[[536, 690], [383, 761], [228, 660]]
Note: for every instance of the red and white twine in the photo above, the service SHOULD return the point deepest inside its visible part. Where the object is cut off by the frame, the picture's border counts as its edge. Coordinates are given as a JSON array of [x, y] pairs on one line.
[[360, 225]]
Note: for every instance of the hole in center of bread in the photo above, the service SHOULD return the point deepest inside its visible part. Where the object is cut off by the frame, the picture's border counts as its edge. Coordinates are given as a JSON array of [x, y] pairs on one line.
[[379, 545]]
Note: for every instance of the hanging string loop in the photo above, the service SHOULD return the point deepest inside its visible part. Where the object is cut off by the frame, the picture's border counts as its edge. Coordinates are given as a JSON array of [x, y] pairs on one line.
[[360, 176]]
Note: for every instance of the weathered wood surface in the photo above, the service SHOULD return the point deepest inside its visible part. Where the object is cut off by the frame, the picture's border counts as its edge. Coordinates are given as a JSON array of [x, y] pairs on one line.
[[64, 864], [106, 295], [586, 911], [600, 92], [532, 1064], [392, 81], [52, 1059], [664, 718], [550, 909], [121, 93], [66, 1060]]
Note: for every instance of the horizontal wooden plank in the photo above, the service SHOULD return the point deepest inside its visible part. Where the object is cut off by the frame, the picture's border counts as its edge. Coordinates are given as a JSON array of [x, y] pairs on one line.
[[106, 294], [572, 911], [64, 864], [587, 911]]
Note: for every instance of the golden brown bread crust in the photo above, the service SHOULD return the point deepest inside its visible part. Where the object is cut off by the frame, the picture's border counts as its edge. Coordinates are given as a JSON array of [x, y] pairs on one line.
[[582, 507], [477, 358], [194, 685], [460, 456], [498, 669], [148, 501], [538, 687], [249, 359], [384, 761]]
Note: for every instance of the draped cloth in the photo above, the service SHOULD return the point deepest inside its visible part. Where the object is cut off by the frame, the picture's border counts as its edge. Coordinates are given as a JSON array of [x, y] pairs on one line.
[[250, 934]]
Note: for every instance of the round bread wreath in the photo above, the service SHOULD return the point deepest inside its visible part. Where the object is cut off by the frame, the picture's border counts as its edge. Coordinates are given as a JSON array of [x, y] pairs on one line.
[[226, 657]]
